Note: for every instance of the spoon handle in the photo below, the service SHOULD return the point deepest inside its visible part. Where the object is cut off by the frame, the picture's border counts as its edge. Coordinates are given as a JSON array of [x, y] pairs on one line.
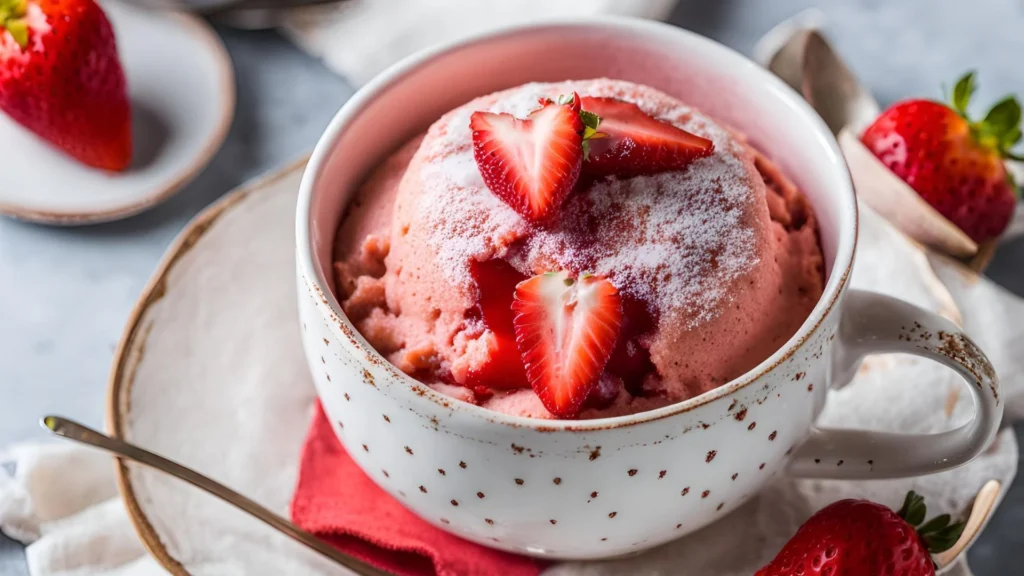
[[74, 431]]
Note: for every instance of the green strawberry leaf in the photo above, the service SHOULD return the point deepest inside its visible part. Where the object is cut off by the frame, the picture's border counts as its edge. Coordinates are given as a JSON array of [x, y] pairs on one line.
[[934, 525], [590, 123], [962, 93], [943, 539], [590, 120], [913, 510], [1003, 118], [18, 30]]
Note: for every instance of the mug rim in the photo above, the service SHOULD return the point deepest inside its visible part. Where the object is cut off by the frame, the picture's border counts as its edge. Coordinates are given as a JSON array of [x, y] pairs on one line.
[[836, 283]]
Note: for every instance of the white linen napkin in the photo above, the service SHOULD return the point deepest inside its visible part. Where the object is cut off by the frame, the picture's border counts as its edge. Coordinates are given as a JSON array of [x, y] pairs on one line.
[[61, 501], [359, 38]]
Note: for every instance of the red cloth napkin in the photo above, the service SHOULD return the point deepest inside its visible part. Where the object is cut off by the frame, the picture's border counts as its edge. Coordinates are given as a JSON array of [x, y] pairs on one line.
[[338, 503]]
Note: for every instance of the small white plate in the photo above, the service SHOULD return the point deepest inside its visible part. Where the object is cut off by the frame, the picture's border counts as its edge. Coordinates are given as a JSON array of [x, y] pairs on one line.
[[182, 89]]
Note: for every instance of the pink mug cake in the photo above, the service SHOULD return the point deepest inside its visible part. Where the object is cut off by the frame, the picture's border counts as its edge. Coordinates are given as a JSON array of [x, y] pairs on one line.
[[716, 261]]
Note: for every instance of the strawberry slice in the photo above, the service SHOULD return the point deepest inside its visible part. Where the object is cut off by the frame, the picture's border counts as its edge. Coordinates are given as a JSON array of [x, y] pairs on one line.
[[531, 164], [566, 331], [496, 280], [636, 143]]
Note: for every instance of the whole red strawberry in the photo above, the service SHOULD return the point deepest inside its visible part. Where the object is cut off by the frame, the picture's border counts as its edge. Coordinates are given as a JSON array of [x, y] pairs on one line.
[[861, 538], [60, 78], [954, 163]]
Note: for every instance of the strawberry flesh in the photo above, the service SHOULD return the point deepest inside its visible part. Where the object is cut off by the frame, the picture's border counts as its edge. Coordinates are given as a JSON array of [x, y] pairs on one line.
[[566, 330], [496, 281], [630, 360], [533, 164], [637, 143]]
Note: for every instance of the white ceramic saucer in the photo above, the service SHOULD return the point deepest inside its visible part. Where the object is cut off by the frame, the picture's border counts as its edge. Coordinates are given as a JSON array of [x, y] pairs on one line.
[[182, 89], [210, 372]]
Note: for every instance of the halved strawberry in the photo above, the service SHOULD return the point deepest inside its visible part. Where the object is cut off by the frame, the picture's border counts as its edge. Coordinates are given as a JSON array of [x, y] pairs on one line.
[[531, 164], [637, 143], [496, 281], [566, 331]]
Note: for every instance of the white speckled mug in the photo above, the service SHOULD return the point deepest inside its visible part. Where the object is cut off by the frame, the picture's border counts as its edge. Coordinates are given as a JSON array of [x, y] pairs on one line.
[[602, 488]]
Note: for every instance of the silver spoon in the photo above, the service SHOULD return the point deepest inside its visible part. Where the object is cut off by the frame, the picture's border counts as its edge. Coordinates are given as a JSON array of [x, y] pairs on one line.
[[74, 431]]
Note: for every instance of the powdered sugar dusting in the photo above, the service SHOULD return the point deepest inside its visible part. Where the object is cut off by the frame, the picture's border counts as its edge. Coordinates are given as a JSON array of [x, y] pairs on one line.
[[675, 240]]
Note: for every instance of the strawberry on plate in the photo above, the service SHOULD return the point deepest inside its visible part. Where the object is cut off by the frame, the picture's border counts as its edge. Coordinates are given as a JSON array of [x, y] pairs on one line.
[[533, 164], [954, 163], [60, 77], [633, 142], [859, 537], [566, 330]]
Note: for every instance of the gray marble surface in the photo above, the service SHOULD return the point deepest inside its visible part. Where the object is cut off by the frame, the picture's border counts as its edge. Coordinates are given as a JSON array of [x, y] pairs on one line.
[[65, 293]]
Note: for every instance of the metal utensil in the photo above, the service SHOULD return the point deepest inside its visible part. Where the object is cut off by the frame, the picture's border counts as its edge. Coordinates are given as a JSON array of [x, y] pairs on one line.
[[74, 431]]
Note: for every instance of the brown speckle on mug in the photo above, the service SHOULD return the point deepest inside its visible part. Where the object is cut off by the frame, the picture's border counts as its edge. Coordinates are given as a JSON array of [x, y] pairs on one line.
[[705, 493], [462, 464], [386, 419], [366, 448], [442, 472], [445, 521], [810, 387], [593, 494], [489, 521], [719, 506], [612, 514], [678, 526], [517, 449], [761, 467], [455, 502], [595, 453], [519, 481], [322, 361], [327, 342], [557, 481], [347, 398], [422, 489], [752, 425], [604, 539], [328, 376], [408, 451], [631, 472], [553, 521], [685, 491], [735, 475], [662, 474], [385, 472], [711, 455], [771, 437], [739, 416], [480, 495]]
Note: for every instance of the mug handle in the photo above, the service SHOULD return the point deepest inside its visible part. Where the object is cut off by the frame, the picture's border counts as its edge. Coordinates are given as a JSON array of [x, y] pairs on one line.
[[874, 323]]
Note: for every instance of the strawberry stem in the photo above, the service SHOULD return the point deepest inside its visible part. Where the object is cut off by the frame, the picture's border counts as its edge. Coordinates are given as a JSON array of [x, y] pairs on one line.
[[12, 19]]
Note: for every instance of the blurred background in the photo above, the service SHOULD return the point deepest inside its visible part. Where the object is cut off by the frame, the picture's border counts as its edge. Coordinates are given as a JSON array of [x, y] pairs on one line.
[[65, 293]]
